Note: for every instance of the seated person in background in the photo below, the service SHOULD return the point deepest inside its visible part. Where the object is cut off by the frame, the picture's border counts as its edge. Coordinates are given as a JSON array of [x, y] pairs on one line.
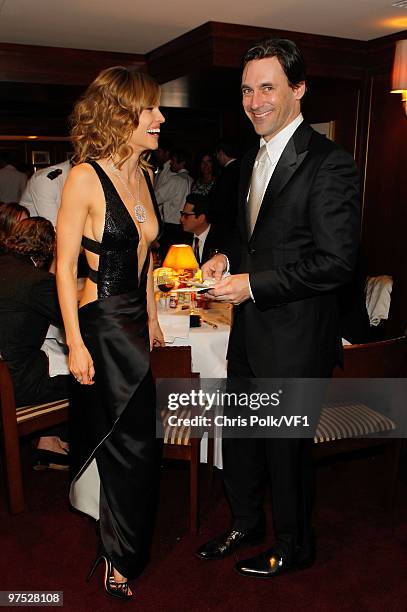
[[205, 173], [28, 304], [206, 238], [10, 215]]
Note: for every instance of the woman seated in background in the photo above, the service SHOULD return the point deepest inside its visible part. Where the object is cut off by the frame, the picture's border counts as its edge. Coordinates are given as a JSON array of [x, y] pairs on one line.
[[206, 176], [10, 215], [28, 304]]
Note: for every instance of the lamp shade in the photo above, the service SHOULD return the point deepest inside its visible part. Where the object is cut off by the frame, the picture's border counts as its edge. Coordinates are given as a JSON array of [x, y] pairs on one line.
[[180, 257], [399, 76]]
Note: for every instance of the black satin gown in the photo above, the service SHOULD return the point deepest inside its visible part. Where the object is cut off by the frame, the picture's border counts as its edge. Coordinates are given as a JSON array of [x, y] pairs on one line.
[[114, 419]]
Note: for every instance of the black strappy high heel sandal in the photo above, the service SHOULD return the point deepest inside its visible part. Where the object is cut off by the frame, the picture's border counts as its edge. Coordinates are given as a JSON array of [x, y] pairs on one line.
[[120, 590]]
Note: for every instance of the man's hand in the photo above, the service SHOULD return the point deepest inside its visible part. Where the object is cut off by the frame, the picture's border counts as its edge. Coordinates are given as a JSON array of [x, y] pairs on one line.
[[215, 267], [233, 289]]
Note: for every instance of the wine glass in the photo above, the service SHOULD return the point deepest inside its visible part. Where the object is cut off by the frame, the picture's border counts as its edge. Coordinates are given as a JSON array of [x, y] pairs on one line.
[[165, 279]]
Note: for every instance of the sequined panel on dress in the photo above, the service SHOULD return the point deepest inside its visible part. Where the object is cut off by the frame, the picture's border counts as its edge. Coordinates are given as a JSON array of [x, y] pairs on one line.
[[118, 260]]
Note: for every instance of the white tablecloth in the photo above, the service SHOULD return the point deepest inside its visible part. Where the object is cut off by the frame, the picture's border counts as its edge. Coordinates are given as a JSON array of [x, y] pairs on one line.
[[208, 345], [208, 351]]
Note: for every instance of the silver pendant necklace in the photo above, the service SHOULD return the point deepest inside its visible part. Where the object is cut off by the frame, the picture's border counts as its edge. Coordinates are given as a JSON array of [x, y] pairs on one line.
[[139, 210]]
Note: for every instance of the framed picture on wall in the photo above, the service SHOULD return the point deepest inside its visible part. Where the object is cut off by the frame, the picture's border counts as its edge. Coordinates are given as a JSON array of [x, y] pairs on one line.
[[40, 158], [327, 129]]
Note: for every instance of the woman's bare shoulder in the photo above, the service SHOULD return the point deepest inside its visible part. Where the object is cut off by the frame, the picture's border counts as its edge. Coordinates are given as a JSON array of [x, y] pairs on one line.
[[82, 172]]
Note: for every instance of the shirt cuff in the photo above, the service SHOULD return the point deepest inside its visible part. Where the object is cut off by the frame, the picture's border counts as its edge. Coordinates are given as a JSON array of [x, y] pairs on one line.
[[226, 272], [251, 292]]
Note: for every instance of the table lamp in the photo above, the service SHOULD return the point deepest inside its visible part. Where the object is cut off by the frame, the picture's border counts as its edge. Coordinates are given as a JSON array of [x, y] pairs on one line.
[[180, 257]]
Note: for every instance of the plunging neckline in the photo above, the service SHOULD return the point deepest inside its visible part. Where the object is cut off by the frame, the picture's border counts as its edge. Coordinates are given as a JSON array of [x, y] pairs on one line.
[[136, 227]]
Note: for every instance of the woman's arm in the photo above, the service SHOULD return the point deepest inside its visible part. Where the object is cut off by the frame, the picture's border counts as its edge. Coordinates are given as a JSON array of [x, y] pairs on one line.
[[154, 329], [72, 216]]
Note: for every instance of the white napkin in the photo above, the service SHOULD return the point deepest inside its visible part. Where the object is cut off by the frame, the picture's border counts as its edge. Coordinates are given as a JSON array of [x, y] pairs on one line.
[[55, 348], [378, 292], [173, 325]]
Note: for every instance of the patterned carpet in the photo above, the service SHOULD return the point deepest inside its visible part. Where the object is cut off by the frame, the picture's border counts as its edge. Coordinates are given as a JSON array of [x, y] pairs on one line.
[[361, 565]]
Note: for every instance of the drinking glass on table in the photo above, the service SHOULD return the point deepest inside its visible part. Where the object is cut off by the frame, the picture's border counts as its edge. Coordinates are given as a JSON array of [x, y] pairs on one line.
[[165, 279]]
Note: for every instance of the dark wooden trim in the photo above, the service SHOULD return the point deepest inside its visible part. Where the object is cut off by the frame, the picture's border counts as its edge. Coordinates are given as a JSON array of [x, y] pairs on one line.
[[185, 54], [324, 55], [380, 52], [213, 44], [59, 65]]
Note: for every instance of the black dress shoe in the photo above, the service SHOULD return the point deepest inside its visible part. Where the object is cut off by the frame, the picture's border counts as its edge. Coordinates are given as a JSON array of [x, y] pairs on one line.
[[269, 564], [228, 542]]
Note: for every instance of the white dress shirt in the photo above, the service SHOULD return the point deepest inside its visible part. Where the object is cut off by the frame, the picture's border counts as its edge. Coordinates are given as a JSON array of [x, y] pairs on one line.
[[275, 147], [42, 196], [162, 175], [172, 193], [202, 237]]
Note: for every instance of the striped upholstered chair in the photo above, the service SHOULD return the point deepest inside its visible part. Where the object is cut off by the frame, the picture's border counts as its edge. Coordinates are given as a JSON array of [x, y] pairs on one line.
[[18, 422], [175, 362], [353, 425]]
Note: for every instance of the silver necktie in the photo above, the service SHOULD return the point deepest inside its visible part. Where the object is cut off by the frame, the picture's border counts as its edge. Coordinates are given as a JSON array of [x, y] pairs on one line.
[[260, 178]]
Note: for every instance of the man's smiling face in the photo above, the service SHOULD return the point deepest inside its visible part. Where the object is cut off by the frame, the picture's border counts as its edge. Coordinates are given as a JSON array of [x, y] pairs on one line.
[[268, 100]]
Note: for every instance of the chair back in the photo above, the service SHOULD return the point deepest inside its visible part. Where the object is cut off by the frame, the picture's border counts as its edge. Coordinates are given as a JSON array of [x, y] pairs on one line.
[[171, 362], [385, 359]]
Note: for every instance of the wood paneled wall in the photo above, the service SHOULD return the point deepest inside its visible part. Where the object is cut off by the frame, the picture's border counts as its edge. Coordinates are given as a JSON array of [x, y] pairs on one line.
[[348, 83]]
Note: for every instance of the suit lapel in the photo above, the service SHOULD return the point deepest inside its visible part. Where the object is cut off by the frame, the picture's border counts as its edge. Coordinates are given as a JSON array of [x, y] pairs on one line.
[[291, 159]]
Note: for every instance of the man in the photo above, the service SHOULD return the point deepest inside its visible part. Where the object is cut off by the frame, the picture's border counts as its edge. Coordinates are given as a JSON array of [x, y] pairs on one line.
[[12, 181], [42, 196], [224, 193], [171, 195], [298, 222], [162, 158], [195, 219]]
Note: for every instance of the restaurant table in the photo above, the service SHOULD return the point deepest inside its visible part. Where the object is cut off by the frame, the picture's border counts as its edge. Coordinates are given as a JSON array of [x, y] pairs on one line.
[[208, 351]]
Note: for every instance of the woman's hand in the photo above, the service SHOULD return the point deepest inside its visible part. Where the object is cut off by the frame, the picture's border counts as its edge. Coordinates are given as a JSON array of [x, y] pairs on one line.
[[81, 364], [155, 333]]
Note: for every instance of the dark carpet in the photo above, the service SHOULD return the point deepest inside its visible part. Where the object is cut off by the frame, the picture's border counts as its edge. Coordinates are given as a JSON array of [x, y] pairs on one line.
[[361, 564]]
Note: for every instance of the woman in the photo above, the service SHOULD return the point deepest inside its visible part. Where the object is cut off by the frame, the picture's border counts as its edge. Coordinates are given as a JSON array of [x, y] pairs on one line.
[[108, 206], [206, 174], [10, 215], [28, 304]]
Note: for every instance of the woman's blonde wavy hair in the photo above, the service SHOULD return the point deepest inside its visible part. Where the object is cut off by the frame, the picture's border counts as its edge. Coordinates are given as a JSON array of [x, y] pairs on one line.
[[107, 114]]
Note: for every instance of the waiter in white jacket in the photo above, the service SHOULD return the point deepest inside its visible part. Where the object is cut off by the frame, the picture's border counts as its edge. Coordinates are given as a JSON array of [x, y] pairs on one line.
[[42, 195]]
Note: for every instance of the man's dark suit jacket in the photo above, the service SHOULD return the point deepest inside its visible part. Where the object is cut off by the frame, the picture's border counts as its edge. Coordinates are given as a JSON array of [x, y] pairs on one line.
[[224, 195], [215, 239], [28, 304], [303, 248]]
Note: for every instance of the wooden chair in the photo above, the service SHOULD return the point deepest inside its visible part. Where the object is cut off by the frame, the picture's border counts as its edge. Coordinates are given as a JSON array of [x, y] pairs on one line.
[[18, 422], [175, 362], [351, 425]]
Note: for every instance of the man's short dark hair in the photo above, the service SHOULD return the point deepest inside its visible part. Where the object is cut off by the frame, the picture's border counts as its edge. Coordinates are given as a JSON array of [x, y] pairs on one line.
[[287, 53], [165, 143], [180, 155], [229, 148], [201, 204]]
